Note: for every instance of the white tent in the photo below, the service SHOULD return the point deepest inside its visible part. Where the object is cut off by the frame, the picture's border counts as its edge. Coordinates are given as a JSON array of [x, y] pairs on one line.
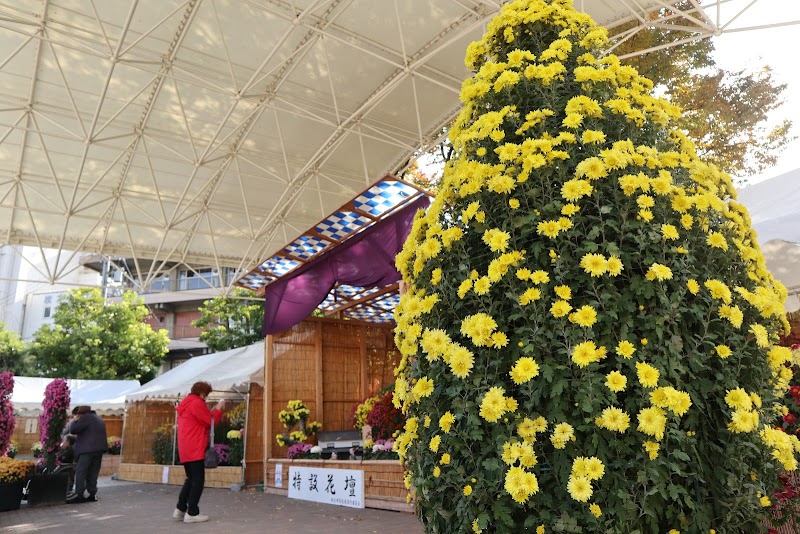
[[774, 207], [230, 370], [104, 396]]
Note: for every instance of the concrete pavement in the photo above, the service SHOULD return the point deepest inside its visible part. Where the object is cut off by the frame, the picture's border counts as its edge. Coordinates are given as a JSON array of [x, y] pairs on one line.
[[128, 508]]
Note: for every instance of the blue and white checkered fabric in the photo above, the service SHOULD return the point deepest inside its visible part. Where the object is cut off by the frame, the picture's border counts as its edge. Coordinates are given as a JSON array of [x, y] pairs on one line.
[[306, 246], [383, 196], [278, 265], [341, 224], [387, 302], [254, 280]]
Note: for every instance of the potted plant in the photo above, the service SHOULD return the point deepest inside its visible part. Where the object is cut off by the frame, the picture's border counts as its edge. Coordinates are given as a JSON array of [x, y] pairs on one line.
[[50, 487], [12, 479], [7, 421], [296, 415]]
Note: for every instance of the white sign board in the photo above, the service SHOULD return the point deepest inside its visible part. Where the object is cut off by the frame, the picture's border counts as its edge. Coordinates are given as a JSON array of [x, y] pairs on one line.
[[165, 475], [279, 475], [342, 487]]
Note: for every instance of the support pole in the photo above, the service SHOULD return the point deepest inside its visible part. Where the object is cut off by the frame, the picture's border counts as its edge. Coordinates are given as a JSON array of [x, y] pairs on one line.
[[246, 433], [268, 437], [319, 398], [174, 432]]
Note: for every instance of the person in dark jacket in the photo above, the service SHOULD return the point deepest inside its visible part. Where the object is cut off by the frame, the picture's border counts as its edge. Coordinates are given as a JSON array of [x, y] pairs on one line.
[[90, 444], [194, 425]]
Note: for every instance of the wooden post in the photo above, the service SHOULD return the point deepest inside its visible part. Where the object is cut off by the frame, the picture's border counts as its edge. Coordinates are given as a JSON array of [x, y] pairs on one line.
[[319, 396], [268, 437], [363, 352]]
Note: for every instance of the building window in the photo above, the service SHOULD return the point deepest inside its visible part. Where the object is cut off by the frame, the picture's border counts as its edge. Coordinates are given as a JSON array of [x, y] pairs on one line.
[[198, 279], [48, 300], [161, 283]]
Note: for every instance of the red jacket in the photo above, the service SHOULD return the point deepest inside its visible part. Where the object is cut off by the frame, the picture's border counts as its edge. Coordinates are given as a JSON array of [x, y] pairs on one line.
[[194, 422]]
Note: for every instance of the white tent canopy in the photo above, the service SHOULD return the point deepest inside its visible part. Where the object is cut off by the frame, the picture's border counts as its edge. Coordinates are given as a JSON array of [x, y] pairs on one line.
[[774, 207], [212, 132], [229, 370], [104, 396]]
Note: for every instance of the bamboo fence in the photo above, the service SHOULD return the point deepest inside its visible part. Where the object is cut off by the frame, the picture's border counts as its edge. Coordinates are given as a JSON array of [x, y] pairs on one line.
[[331, 365]]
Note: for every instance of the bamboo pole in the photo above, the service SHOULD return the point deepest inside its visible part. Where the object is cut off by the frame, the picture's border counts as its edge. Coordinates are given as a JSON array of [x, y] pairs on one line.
[[318, 386], [363, 358], [268, 348]]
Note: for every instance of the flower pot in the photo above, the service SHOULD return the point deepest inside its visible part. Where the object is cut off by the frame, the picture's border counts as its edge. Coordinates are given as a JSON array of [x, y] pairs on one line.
[[10, 495], [47, 489]]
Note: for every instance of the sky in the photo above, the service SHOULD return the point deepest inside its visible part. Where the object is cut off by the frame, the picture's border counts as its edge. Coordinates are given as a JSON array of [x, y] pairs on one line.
[[777, 47]]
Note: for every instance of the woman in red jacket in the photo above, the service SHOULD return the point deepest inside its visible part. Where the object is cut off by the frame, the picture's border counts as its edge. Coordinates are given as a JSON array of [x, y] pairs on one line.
[[194, 423]]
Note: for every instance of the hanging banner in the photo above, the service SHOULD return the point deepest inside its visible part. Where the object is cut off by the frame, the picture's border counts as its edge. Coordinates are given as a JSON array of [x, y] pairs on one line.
[[342, 487]]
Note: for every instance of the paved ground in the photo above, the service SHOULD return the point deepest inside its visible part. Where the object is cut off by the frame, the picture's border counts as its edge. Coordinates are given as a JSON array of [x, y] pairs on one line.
[[128, 508]]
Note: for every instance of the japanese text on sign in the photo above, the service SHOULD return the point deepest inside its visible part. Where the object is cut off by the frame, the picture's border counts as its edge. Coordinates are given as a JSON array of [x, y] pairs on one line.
[[342, 487]]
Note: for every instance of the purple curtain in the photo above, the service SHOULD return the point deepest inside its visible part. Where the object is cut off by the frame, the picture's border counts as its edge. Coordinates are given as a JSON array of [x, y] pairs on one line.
[[367, 260]]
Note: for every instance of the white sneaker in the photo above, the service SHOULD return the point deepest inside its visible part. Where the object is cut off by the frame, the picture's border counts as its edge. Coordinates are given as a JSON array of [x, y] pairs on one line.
[[178, 515], [195, 518]]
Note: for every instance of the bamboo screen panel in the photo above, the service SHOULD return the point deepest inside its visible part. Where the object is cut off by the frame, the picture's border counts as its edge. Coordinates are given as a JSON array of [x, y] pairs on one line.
[[254, 444], [293, 374], [113, 425], [382, 358], [341, 372], [141, 420]]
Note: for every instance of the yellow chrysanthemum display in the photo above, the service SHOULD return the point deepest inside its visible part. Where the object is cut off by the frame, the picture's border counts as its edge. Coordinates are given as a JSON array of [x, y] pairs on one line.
[[586, 307]]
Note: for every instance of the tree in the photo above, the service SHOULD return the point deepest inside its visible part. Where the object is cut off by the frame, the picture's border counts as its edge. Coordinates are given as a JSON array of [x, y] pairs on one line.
[[726, 114], [588, 325], [12, 352], [91, 338], [232, 321]]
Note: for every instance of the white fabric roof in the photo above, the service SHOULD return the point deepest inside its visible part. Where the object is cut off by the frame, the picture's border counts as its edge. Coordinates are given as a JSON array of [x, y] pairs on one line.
[[774, 207], [212, 132], [225, 371], [104, 396]]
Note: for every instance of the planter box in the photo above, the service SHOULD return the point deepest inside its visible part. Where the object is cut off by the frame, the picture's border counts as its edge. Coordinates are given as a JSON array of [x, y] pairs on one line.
[[110, 465], [383, 480], [221, 477], [47, 489], [10, 495]]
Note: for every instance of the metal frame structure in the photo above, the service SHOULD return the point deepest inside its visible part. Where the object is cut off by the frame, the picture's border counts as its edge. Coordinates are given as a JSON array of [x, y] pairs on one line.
[[212, 132]]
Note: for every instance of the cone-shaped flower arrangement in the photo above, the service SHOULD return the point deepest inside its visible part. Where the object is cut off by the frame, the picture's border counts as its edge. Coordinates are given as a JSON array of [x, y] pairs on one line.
[[588, 330]]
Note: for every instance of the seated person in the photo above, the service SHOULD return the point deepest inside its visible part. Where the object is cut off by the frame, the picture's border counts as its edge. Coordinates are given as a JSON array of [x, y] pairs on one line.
[[67, 456]]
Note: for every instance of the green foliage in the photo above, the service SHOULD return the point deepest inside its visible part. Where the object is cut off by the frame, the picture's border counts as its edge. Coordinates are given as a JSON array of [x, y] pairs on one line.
[[162, 447], [12, 352], [588, 325], [726, 113], [93, 339], [231, 322]]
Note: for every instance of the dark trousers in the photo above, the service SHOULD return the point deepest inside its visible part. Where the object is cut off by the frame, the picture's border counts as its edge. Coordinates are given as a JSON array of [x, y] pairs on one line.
[[192, 488], [86, 472]]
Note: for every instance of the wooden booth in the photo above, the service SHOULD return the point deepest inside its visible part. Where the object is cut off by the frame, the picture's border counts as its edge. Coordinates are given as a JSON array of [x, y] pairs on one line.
[[149, 452], [329, 296], [331, 365]]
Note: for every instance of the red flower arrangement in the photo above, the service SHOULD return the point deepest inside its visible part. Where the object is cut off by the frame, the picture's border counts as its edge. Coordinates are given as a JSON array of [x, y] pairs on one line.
[[53, 419], [7, 421], [384, 418]]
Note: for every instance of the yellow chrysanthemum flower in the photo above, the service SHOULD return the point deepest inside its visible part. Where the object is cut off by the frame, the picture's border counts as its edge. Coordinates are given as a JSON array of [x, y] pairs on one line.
[[659, 272], [594, 264], [647, 374], [524, 370], [616, 381]]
